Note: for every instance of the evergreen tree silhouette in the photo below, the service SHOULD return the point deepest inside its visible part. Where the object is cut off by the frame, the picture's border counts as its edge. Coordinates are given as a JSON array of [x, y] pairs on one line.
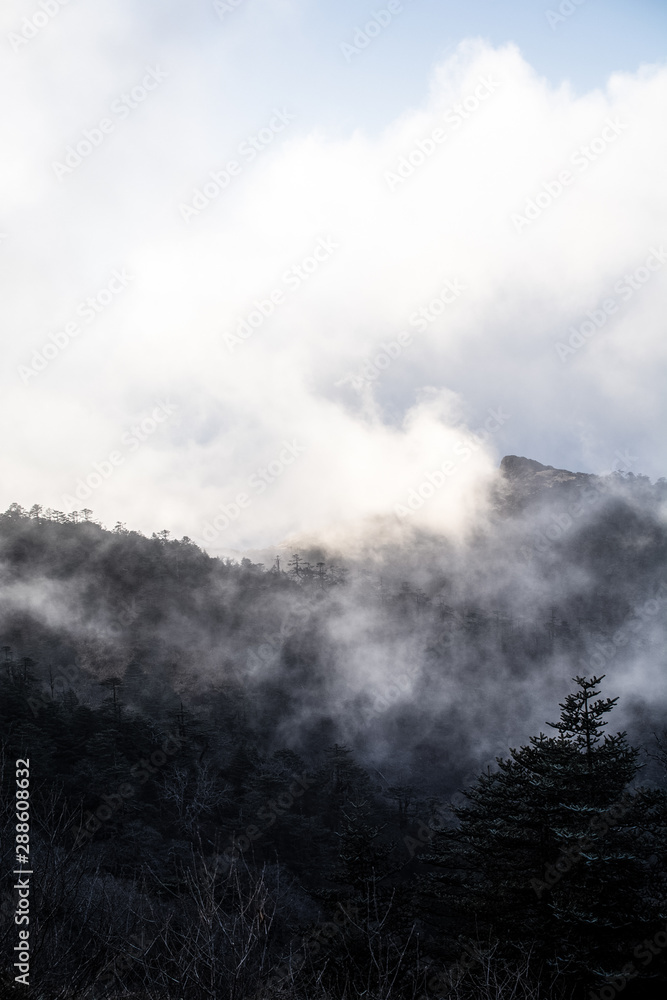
[[546, 853]]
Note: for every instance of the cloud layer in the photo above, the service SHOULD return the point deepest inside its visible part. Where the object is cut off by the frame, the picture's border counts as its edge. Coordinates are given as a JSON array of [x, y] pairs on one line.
[[291, 331]]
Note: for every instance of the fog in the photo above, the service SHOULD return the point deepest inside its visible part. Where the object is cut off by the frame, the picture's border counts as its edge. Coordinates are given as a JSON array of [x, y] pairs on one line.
[[428, 653]]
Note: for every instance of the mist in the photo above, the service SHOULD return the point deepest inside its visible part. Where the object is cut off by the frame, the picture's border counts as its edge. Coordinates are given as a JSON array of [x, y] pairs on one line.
[[428, 653], [365, 304], [332, 509]]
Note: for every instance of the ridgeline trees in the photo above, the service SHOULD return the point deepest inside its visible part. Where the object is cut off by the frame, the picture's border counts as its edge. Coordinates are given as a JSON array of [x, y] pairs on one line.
[[196, 813]]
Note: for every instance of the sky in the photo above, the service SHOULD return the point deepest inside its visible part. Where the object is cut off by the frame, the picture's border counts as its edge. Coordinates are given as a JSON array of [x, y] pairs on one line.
[[270, 267]]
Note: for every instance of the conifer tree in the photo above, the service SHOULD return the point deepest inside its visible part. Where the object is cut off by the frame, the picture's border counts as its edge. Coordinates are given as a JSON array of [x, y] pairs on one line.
[[363, 860], [547, 852]]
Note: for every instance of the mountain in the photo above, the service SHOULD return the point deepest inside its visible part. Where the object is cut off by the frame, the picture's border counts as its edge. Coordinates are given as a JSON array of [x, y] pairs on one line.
[[524, 482], [225, 756], [562, 564]]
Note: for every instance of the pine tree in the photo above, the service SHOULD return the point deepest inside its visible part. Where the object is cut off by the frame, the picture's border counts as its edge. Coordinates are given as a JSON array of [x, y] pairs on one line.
[[340, 779], [369, 955], [363, 860], [547, 852]]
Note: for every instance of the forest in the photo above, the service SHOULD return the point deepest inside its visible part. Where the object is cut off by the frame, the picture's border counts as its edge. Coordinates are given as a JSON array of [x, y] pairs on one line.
[[424, 768]]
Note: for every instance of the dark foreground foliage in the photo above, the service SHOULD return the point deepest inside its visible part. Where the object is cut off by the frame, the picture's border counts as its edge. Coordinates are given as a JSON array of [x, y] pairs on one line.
[[212, 835]]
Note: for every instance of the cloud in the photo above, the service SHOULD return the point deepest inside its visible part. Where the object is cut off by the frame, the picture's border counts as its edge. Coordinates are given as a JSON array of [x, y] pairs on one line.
[[490, 140]]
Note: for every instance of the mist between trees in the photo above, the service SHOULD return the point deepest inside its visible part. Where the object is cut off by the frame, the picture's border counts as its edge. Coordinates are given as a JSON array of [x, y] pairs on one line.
[[334, 733]]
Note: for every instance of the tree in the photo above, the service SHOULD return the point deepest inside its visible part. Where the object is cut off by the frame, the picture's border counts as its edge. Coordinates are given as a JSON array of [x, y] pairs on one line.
[[339, 780], [370, 958], [116, 704], [547, 853], [363, 860]]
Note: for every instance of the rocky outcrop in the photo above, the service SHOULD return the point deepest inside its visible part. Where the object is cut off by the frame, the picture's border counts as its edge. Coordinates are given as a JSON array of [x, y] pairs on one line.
[[524, 481]]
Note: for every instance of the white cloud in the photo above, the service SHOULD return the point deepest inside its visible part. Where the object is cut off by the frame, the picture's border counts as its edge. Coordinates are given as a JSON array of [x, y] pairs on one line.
[[450, 220]]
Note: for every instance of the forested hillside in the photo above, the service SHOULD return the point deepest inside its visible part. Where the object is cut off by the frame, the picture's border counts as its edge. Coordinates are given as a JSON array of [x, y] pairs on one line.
[[295, 779]]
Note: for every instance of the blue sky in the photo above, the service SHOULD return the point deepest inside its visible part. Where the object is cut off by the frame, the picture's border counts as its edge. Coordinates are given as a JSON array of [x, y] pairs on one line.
[[346, 236], [261, 50], [298, 49]]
